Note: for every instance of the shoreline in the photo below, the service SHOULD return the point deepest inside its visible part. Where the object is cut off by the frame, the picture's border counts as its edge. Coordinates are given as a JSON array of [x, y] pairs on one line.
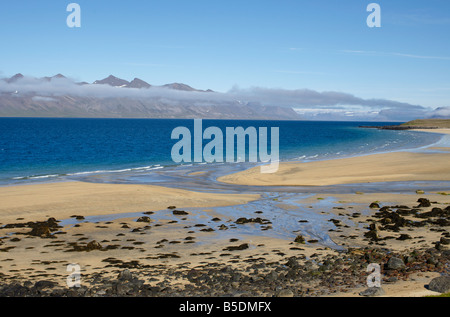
[[170, 241], [404, 165]]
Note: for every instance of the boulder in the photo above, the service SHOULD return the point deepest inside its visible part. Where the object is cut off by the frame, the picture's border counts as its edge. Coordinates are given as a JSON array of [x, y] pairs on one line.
[[93, 245], [125, 275], [372, 291], [285, 293], [180, 212], [423, 202], [395, 263], [299, 239], [440, 284], [144, 219], [374, 205]]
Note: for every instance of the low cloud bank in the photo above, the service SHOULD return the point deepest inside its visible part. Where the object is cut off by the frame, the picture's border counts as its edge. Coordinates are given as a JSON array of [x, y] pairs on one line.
[[309, 103]]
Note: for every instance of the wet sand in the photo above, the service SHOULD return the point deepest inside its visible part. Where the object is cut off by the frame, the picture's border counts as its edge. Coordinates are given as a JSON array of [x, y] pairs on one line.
[[61, 200], [163, 250]]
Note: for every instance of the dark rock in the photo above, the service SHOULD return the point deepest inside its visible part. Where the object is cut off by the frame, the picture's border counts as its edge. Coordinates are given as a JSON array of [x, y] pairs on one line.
[[223, 227], [374, 205], [292, 262], [395, 263], [144, 219], [373, 232], [285, 293], [372, 291], [404, 237], [40, 285], [237, 248], [125, 275], [41, 231], [435, 212], [423, 202], [93, 245], [440, 284], [180, 212], [299, 239]]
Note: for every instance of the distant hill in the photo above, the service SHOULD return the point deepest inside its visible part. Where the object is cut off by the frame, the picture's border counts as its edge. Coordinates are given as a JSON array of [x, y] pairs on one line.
[[112, 97], [416, 124], [428, 123]]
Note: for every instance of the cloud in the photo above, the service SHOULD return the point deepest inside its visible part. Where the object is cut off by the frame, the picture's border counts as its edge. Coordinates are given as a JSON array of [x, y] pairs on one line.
[[328, 105], [441, 112], [301, 98]]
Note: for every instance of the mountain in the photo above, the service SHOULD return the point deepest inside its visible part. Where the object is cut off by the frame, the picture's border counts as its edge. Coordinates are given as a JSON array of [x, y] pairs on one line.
[[14, 78], [178, 86], [57, 76], [12, 105], [45, 97], [112, 81], [138, 83]]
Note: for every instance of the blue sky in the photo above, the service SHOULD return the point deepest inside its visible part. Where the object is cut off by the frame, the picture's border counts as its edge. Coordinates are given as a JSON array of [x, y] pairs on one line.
[[289, 44]]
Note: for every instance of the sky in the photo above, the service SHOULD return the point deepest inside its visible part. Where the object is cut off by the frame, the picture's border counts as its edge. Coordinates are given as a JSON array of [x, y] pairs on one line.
[[288, 45]]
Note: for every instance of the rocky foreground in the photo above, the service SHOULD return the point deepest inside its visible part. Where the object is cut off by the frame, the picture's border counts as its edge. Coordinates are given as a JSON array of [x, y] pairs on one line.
[[320, 274], [340, 273]]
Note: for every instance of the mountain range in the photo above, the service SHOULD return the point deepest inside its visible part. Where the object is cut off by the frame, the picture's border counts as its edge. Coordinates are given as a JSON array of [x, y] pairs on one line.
[[113, 97]]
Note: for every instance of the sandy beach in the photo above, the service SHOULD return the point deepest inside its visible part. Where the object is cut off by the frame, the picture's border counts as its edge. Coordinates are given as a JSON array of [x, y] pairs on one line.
[[173, 242], [388, 167]]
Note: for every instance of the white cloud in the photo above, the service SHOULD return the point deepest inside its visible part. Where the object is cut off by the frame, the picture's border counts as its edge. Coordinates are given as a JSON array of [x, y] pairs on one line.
[[328, 105]]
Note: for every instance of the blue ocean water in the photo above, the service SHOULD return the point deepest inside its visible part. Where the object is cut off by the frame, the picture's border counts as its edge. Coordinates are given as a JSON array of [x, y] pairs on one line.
[[48, 149]]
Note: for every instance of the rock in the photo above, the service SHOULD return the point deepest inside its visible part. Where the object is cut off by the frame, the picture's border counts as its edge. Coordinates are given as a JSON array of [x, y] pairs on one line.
[[423, 202], [180, 212], [404, 236], [444, 240], [372, 291], [144, 219], [373, 232], [14, 290], [292, 262], [125, 275], [395, 263], [40, 231], [271, 277], [40, 285], [285, 293], [93, 245], [432, 260], [299, 239], [441, 247], [237, 248], [440, 284], [374, 205]]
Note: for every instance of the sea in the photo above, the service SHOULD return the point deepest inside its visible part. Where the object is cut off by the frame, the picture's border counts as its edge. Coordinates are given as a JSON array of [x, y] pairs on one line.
[[140, 150]]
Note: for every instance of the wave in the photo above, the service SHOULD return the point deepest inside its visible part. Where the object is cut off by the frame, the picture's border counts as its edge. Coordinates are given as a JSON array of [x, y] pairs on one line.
[[133, 169]]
